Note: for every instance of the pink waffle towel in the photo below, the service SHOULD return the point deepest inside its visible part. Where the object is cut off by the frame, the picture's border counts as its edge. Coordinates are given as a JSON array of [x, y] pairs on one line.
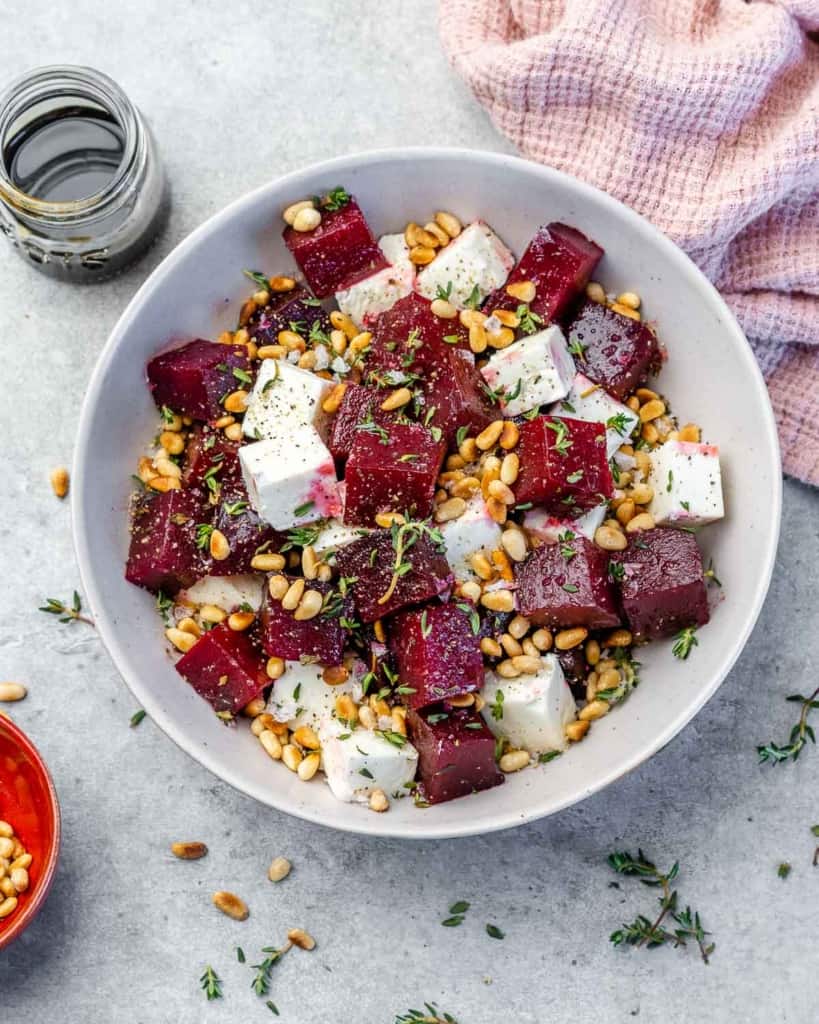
[[703, 115]]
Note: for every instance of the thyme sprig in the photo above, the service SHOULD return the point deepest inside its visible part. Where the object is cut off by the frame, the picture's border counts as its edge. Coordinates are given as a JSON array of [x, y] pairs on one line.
[[643, 931], [261, 980], [405, 536], [773, 753], [429, 1015], [684, 641], [67, 613], [211, 983]]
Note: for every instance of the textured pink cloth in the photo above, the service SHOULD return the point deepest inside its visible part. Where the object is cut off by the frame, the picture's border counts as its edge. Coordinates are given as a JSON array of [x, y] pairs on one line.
[[703, 115]]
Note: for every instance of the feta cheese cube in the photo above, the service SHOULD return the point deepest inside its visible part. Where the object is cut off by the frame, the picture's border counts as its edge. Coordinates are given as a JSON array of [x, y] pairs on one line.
[[301, 697], [463, 537], [334, 535], [291, 479], [283, 396], [532, 711], [588, 401], [687, 484], [532, 372], [357, 762], [226, 592], [548, 528], [476, 259], [365, 299]]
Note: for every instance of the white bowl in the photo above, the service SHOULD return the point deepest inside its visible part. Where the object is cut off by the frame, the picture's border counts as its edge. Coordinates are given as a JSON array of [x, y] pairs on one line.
[[711, 378]]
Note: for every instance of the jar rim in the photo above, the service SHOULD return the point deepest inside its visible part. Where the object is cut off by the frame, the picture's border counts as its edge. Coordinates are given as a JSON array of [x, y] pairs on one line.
[[52, 81]]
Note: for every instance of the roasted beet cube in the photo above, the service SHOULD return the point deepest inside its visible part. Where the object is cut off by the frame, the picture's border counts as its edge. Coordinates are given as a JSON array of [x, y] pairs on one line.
[[436, 653], [619, 353], [563, 465], [244, 531], [559, 261], [393, 468], [567, 584], [225, 668], [454, 396], [456, 753], [322, 637], [409, 338], [340, 251], [211, 461], [662, 586], [296, 310], [575, 669], [163, 552], [382, 584], [193, 379], [359, 405]]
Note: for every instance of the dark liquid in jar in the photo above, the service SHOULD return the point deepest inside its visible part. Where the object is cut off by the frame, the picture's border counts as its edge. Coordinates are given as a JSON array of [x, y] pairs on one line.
[[67, 154]]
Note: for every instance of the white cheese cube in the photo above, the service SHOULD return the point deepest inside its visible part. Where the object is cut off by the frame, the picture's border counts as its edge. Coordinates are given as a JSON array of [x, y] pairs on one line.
[[532, 711], [463, 537], [531, 372], [283, 396], [687, 484], [301, 697], [588, 401], [291, 479], [226, 592], [476, 259], [334, 535], [548, 528], [365, 299], [357, 762]]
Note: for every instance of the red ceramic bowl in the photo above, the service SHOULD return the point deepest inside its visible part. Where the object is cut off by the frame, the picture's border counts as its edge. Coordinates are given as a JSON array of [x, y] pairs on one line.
[[28, 801]]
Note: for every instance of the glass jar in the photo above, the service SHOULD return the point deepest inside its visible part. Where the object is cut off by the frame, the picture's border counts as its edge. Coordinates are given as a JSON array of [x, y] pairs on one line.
[[82, 189]]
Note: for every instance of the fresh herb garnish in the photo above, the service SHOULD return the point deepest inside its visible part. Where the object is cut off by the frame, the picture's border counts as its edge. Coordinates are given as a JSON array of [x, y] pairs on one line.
[[168, 415], [240, 954], [302, 537], [619, 423], [683, 642], [577, 348], [563, 441], [317, 335], [261, 980], [529, 321], [496, 707], [302, 510], [473, 300], [670, 483], [710, 576], [211, 984], [444, 293], [137, 717], [548, 755], [784, 869], [163, 604], [474, 617], [457, 912], [236, 508], [575, 477], [67, 613], [426, 628], [617, 571], [773, 753], [335, 199], [461, 435], [258, 278], [409, 457], [570, 588], [403, 537], [494, 932], [365, 772], [429, 1015], [242, 375], [203, 534]]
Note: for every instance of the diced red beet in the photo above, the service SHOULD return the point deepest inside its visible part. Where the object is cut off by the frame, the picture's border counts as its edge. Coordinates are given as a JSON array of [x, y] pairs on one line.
[[456, 753], [563, 465], [209, 456], [225, 668], [567, 584], [436, 654], [244, 531], [393, 469], [575, 669], [619, 353], [340, 251], [321, 637], [410, 338], [559, 261], [163, 554], [296, 310], [193, 379], [373, 560], [359, 404], [663, 585], [455, 392]]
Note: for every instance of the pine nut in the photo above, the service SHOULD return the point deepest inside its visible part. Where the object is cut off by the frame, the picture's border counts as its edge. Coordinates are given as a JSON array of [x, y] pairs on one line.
[[307, 219], [267, 562], [6, 847], [335, 675], [596, 292], [575, 731], [491, 648], [189, 625], [510, 468], [240, 621], [332, 402], [166, 468], [421, 255], [618, 638], [523, 291], [231, 904], [566, 639], [223, 421], [236, 401], [506, 317], [254, 707], [6, 831], [610, 539], [481, 566], [270, 741], [595, 710], [291, 756], [293, 596], [449, 222], [690, 432], [309, 562], [528, 664], [466, 487], [513, 761], [291, 340], [503, 565], [234, 432], [461, 700], [19, 879], [514, 544], [399, 720], [274, 667], [453, 508], [592, 652], [471, 591], [289, 214], [279, 869], [219, 547], [510, 435], [182, 641], [488, 437], [346, 708], [410, 234], [23, 861], [618, 307], [518, 627], [397, 399], [630, 299], [282, 284], [507, 669], [510, 645], [591, 686], [8, 906], [378, 801], [643, 521], [301, 938], [427, 239], [653, 408], [650, 434], [529, 647], [309, 606], [468, 317], [496, 510], [308, 360], [59, 480], [443, 308], [308, 767], [468, 450], [188, 850], [478, 339], [7, 887], [498, 489], [608, 680], [361, 342], [305, 736], [367, 717], [278, 586], [641, 494], [324, 573], [10, 692], [625, 511]]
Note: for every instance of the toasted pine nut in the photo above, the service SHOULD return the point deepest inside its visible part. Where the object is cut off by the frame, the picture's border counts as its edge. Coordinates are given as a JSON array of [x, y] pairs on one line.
[[240, 621], [346, 708], [6, 847], [481, 566], [279, 869], [618, 307], [234, 432], [506, 317], [468, 449], [219, 547], [292, 757], [307, 361], [519, 626], [274, 668], [630, 299], [510, 468], [361, 342], [334, 675], [513, 761], [514, 544], [301, 938], [282, 284], [308, 767], [10, 692], [309, 562], [189, 625], [610, 539], [625, 511], [507, 669], [595, 710], [338, 342], [165, 467], [461, 700], [501, 562], [690, 432], [306, 737], [367, 717], [641, 494], [270, 741], [307, 219], [182, 642], [496, 509], [309, 606], [59, 480], [449, 222], [608, 680], [470, 590], [469, 317], [278, 586], [343, 322], [592, 652], [453, 508], [427, 239], [236, 401], [421, 255], [163, 484], [466, 487], [643, 521], [510, 645], [575, 731], [478, 339], [491, 648], [653, 408], [596, 292], [223, 421], [188, 850], [295, 592], [397, 399], [267, 561], [498, 489], [324, 573], [19, 879], [386, 519], [291, 340], [566, 639], [410, 234], [23, 861], [259, 724], [379, 801], [6, 831], [488, 437], [529, 647], [333, 400], [618, 638], [254, 707], [8, 906], [523, 291], [443, 308], [7, 887], [527, 664], [289, 214], [650, 433], [231, 904], [510, 435]]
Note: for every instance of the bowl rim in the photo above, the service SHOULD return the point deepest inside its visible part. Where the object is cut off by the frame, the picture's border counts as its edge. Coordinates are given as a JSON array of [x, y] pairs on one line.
[[370, 824], [33, 905]]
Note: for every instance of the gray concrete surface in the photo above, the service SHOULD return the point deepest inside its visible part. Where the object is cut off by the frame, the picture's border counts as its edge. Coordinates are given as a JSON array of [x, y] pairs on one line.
[[237, 93]]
